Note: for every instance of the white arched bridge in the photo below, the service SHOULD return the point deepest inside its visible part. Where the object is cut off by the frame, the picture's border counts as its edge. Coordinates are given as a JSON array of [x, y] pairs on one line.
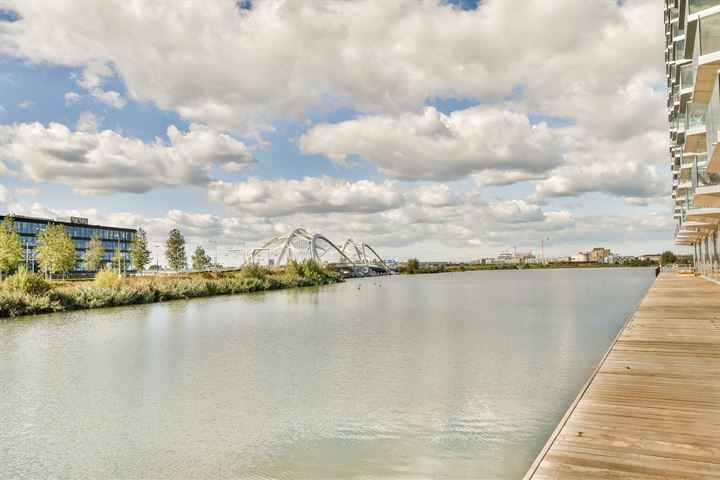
[[351, 257]]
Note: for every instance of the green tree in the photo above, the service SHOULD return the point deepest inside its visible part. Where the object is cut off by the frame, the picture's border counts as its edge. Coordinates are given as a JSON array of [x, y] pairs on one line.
[[56, 250], [412, 265], [10, 245], [667, 257], [94, 254], [175, 250], [117, 258], [200, 260], [139, 253]]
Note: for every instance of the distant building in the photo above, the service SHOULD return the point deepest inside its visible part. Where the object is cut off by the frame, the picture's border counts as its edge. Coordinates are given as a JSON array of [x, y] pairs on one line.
[[80, 231], [599, 255], [655, 257], [580, 257]]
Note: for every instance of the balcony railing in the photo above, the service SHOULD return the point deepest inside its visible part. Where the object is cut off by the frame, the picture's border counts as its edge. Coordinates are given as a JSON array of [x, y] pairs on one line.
[[710, 33], [697, 5], [686, 76]]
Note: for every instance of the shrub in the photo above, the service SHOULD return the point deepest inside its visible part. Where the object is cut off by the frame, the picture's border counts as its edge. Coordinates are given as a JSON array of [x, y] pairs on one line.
[[19, 303], [253, 270], [292, 268], [27, 282], [108, 278]]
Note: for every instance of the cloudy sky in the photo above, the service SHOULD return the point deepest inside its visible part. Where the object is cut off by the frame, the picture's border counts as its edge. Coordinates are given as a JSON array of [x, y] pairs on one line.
[[437, 129]]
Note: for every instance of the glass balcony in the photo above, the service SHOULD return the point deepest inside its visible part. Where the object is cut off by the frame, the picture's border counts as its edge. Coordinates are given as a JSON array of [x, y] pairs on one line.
[[696, 115], [707, 179], [710, 34], [679, 123], [697, 5], [680, 50], [686, 76], [677, 30]]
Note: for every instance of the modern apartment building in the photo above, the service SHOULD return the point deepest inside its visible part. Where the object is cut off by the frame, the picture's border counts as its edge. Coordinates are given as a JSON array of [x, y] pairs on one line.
[[692, 56], [80, 231]]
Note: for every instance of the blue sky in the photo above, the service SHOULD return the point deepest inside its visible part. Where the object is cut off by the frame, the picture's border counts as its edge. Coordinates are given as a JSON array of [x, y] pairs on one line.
[[423, 129]]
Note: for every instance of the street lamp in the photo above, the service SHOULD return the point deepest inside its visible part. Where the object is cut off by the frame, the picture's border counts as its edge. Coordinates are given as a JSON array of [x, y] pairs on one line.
[[542, 249], [233, 250], [117, 235], [216, 258], [157, 258]]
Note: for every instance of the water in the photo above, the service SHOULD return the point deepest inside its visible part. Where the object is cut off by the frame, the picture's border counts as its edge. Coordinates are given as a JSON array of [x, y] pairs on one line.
[[446, 376]]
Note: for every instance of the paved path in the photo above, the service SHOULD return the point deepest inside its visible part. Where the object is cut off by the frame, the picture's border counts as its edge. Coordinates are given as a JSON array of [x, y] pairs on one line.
[[652, 409]]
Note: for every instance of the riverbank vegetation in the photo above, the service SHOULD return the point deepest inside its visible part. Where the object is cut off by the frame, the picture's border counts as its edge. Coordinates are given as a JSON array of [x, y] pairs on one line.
[[415, 267], [27, 293]]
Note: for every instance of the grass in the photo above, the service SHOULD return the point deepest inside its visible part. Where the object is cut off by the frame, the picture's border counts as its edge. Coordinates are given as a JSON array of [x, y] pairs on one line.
[[107, 290]]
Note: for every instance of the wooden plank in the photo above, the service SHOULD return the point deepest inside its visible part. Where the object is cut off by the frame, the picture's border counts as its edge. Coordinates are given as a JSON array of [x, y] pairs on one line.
[[651, 410]]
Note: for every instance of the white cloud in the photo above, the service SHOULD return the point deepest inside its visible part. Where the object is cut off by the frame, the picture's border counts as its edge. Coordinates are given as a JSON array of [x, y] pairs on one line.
[[106, 162], [87, 122], [309, 195], [618, 178], [434, 146], [109, 97], [72, 97], [283, 57]]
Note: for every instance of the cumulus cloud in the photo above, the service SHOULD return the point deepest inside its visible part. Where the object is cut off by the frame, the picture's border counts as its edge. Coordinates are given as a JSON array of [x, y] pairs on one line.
[[72, 97], [106, 162], [623, 168], [618, 178], [109, 97], [281, 58], [87, 122], [309, 195], [434, 146]]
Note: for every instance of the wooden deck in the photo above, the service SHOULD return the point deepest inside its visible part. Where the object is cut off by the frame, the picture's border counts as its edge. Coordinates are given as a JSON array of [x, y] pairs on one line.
[[652, 409]]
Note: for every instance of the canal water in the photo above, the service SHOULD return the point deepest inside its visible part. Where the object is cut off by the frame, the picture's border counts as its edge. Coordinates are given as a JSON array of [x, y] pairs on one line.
[[444, 376]]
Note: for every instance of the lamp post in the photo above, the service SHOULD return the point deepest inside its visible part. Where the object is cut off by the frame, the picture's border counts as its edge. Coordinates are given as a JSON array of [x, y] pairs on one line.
[[542, 249], [233, 250], [157, 258], [216, 258], [117, 235]]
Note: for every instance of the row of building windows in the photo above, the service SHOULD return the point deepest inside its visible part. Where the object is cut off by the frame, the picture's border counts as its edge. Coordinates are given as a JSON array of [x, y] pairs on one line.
[[34, 228], [109, 245]]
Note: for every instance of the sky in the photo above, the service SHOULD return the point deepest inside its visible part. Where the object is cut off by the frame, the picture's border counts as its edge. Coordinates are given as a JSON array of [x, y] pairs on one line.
[[431, 129]]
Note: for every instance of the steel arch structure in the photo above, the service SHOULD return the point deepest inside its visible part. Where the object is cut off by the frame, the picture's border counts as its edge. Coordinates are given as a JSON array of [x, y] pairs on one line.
[[301, 244]]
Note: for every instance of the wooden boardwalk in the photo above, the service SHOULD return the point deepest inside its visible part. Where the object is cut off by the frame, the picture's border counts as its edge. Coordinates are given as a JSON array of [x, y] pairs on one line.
[[652, 409]]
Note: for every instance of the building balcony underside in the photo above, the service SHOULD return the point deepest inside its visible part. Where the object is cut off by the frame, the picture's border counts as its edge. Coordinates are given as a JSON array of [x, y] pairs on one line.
[[708, 66], [713, 164], [709, 215], [696, 140], [707, 196]]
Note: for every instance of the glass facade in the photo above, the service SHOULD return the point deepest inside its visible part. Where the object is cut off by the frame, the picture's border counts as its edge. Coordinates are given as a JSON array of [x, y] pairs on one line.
[[112, 237]]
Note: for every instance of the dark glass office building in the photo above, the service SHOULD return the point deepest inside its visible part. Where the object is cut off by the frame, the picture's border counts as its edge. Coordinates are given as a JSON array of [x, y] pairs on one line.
[[80, 231]]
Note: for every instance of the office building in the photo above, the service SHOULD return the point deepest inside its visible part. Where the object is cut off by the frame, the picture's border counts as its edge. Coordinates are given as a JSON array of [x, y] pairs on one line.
[[80, 231]]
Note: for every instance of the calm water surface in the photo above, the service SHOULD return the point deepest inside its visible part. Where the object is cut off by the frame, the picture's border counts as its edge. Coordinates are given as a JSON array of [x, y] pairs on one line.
[[445, 376]]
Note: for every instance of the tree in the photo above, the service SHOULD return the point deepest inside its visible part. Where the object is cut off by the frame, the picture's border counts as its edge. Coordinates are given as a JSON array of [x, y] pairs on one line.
[[667, 257], [412, 265], [56, 250], [117, 258], [175, 250], [139, 253], [94, 254], [10, 245], [200, 260]]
